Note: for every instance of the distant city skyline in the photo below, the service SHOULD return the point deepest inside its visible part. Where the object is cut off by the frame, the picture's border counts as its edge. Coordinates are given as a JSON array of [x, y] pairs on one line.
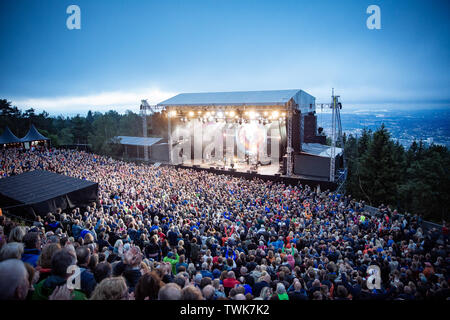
[[130, 50]]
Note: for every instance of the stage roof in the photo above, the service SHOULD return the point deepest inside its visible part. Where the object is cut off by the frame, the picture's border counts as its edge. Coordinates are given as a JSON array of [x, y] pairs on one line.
[[263, 98], [138, 141], [318, 149], [39, 192]]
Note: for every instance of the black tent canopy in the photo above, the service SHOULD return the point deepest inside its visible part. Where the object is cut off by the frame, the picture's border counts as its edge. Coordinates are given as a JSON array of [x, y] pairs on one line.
[[40, 192], [8, 137], [33, 135]]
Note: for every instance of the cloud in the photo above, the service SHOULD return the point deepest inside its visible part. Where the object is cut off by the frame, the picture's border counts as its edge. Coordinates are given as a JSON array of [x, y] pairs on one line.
[[104, 101]]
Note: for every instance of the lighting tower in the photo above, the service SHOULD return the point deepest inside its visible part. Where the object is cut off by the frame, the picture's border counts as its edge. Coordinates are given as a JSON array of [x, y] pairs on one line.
[[143, 111], [289, 148], [336, 136], [336, 132]]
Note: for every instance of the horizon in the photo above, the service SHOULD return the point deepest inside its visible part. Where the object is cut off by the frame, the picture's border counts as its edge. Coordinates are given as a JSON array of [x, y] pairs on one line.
[[126, 51], [353, 109]]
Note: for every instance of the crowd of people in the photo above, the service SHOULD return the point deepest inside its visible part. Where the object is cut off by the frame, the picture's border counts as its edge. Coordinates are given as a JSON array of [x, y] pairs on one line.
[[166, 233]]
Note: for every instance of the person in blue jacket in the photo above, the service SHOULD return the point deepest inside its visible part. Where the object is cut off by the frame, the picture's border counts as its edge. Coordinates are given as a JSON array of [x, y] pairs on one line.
[[88, 281], [76, 229], [32, 249]]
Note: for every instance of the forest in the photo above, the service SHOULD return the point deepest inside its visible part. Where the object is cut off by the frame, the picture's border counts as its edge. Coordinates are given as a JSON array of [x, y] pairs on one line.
[[414, 180]]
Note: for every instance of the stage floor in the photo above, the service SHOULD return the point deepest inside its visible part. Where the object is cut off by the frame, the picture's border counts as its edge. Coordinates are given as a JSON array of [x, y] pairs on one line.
[[269, 170]]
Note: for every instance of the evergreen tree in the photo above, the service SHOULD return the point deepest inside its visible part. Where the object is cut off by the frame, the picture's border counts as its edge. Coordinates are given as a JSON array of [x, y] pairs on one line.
[[364, 142], [105, 129], [426, 185], [379, 169], [79, 129], [351, 153]]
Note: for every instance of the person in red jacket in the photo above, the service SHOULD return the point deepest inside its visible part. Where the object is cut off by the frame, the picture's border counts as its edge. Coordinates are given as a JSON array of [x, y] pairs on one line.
[[230, 282]]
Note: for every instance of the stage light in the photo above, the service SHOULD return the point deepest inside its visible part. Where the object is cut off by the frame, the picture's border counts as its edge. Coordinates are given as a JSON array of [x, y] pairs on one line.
[[199, 112], [275, 114], [253, 115], [284, 114], [220, 114], [191, 113], [246, 113], [232, 113], [266, 113], [208, 114], [172, 114]]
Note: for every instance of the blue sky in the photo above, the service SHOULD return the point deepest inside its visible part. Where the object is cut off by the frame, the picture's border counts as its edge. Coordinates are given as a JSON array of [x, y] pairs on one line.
[[134, 49]]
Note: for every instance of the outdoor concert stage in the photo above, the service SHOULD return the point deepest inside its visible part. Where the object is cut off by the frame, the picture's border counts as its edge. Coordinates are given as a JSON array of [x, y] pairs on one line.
[[263, 133], [270, 133]]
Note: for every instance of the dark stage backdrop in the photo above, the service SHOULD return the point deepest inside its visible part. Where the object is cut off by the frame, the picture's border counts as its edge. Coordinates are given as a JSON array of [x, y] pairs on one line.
[[39, 192]]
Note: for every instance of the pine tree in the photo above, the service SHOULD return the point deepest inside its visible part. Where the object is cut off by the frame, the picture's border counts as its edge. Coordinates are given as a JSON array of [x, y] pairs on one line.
[[379, 169], [426, 185], [351, 154]]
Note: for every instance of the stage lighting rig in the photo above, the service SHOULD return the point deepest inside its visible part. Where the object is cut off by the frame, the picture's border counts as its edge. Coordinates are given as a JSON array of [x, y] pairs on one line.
[[275, 115]]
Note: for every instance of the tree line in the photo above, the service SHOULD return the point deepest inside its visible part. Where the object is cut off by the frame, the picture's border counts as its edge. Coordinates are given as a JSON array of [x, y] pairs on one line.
[[95, 130], [380, 170], [414, 179]]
